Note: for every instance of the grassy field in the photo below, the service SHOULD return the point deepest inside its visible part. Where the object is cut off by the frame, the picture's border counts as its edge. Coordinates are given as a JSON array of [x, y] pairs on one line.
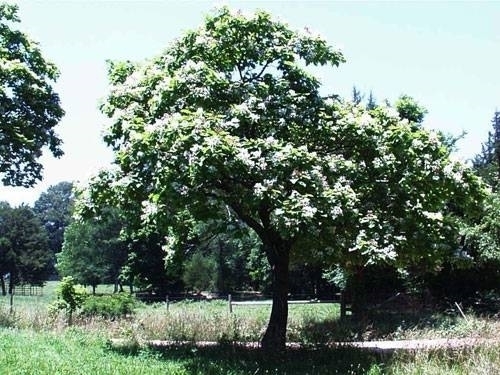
[[32, 341]]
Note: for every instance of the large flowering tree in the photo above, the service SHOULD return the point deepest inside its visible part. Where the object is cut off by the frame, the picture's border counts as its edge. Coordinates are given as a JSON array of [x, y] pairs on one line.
[[229, 121]]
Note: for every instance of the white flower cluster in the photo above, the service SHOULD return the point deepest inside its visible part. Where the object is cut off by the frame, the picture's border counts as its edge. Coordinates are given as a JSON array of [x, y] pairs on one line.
[[434, 138], [149, 211], [252, 159], [374, 247], [436, 216], [417, 144], [454, 171], [180, 188], [366, 119], [169, 246], [386, 160]]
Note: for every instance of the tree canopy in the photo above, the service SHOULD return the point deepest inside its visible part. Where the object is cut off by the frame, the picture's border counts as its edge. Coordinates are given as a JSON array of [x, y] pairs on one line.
[[229, 118], [482, 241], [54, 208], [487, 162], [92, 252], [29, 107], [24, 254]]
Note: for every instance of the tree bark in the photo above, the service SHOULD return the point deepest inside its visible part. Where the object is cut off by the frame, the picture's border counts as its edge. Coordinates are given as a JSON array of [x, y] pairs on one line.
[[358, 295], [274, 339]]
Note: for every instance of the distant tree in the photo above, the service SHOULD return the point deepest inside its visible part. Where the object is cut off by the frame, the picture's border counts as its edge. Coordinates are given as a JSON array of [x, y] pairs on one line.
[[24, 252], [229, 243], [487, 162], [93, 252], [371, 102], [54, 208], [29, 108], [482, 240], [200, 272], [410, 110], [357, 97]]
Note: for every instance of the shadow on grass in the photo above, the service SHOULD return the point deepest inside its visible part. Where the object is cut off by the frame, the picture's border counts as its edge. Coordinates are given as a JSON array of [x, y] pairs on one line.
[[381, 325], [234, 360]]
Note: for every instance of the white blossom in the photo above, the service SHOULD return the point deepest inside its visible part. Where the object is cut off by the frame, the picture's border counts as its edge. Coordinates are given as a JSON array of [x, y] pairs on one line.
[[254, 117], [417, 144], [335, 212], [245, 157], [259, 189], [149, 210], [365, 119], [438, 216]]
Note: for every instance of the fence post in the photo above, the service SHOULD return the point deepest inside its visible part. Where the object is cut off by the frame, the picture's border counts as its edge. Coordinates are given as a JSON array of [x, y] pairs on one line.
[[167, 301], [11, 310], [342, 306], [229, 301]]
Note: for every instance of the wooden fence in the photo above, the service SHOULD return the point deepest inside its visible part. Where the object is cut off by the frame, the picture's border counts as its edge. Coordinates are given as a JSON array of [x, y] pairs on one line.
[[344, 307], [28, 290]]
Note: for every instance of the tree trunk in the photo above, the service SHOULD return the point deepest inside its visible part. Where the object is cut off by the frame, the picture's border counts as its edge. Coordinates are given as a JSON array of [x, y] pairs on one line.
[[358, 295], [274, 340], [2, 282], [11, 284]]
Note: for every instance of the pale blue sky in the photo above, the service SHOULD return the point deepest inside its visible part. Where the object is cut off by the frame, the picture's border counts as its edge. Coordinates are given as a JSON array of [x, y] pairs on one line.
[[444, 54]]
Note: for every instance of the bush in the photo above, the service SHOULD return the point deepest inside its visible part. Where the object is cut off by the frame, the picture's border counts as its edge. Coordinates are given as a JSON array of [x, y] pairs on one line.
[[109, 306], [70, 297]]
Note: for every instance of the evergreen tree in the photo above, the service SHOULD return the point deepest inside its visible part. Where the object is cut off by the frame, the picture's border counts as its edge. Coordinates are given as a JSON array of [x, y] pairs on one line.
[[357, 97], [371, 103], [24, 252], [487, 162]]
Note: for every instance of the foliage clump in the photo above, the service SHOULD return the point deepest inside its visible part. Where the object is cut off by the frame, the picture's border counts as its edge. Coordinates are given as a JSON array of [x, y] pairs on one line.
[[109, 306], [70, 297], [30, 107]]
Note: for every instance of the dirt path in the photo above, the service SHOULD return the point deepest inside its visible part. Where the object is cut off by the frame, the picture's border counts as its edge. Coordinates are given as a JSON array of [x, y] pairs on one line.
[[376, 346], [421, 344]]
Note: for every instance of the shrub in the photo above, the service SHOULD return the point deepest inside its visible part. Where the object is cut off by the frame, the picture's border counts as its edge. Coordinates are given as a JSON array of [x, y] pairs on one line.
[[70, 297], [109, 306]]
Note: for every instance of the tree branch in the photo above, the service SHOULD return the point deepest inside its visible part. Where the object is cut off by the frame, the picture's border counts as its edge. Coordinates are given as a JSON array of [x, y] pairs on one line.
[[249, 220]]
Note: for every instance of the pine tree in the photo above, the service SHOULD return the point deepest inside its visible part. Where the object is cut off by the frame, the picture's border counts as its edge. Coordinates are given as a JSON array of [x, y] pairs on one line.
[[357, 97], [487, 162], [371, 102]]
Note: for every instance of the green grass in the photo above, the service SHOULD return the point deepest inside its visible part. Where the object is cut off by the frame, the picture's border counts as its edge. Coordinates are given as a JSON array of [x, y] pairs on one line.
[[34, 342], [78, 352], [73, 352]]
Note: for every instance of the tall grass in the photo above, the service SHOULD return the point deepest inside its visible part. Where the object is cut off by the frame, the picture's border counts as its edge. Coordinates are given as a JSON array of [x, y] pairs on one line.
[[211, 321], [484, 360]]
